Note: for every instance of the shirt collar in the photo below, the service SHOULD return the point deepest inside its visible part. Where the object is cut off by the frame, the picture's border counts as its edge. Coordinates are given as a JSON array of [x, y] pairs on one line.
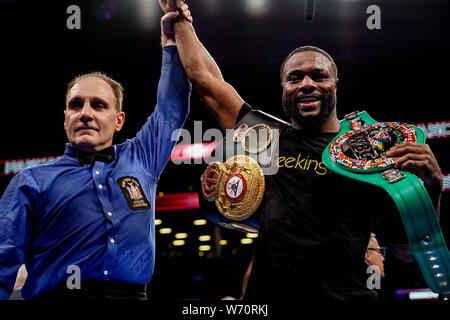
[[71, 151]]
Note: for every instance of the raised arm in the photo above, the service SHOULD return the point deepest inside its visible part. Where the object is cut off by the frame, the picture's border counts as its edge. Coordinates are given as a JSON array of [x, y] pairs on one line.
[[221, 98]]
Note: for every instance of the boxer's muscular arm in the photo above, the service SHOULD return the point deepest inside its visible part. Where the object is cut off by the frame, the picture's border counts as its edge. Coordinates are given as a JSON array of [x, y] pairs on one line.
[[221, 98]]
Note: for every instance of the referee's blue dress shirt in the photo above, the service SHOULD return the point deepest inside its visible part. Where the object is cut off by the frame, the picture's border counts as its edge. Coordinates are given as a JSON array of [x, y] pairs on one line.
[[98, 217]]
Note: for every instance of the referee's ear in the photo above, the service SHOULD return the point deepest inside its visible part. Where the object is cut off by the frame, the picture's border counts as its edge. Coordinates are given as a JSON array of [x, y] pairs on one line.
[[120, 120], [367, 258]]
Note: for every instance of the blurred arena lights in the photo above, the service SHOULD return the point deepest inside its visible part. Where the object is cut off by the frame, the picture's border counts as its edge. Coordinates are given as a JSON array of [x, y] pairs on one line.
[[181, 235], [205, 247], [257, 7], [246, 241], [192, 151], [200, 222], [204, 238], [149, 13], [177, 201], [416, 294], [165, 230], [178, 243]]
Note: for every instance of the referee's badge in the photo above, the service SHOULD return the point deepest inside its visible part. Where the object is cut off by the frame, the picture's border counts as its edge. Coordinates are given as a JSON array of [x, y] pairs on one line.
[[132, 190]]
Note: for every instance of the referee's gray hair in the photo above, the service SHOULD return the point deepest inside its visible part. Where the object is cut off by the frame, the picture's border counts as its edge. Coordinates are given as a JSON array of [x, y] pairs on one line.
[[309, 48]]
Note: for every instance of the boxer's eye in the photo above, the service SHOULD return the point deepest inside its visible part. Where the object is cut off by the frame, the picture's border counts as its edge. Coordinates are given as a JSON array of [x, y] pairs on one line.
[[293, 78], [319, 76]]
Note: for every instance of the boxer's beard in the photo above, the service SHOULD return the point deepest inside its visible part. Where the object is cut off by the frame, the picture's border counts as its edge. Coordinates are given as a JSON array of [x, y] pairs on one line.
[[326, 107]]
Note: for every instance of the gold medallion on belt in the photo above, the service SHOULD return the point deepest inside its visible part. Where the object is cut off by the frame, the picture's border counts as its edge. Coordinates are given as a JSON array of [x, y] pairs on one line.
[[236, 186]]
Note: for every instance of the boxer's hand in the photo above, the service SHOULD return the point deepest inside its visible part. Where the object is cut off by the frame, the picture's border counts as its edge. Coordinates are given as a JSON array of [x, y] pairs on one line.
[[185, 13], [176, 5], [418, 159], [167, 35], [170, 5]]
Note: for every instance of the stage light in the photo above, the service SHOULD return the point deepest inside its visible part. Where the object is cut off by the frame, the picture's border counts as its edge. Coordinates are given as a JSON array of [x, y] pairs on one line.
[[252, 235], [200, 222], [223, 242], [181, 235], [165, 230], [148, 14], [204, 248], [257, 7], [177, 201], [158, 222], [246, 241], [422, 295], [193, 151], [204, 238], [178, 242]]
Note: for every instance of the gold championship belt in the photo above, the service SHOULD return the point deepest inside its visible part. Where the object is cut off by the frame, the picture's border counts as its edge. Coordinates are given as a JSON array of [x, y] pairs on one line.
[[233, 190], [236, 186]]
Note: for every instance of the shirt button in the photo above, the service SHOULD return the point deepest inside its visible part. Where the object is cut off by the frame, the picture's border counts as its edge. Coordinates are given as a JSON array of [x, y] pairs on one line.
[[109, 214], [111, 240], [105, 272], [100, 186]]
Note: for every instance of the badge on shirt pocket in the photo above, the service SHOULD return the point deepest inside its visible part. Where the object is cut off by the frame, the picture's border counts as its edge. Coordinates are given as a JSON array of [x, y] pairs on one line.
[[132, 190]]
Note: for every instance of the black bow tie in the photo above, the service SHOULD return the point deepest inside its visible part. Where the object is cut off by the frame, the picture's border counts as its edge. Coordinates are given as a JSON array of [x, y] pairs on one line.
[[106, 155]]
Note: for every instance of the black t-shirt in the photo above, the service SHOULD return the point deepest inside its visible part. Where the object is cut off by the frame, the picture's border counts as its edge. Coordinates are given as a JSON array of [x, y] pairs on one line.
[[315, 226]]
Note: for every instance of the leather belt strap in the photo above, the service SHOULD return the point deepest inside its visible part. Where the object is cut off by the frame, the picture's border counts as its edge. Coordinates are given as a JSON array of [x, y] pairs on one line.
[[239, 172]]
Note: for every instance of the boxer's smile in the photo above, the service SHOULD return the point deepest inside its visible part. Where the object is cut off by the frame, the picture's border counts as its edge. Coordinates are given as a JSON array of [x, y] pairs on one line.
[[308, 102]]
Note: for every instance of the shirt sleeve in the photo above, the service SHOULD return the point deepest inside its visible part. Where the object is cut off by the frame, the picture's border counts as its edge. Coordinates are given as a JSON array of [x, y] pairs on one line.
[[158, 136], [16, 205]]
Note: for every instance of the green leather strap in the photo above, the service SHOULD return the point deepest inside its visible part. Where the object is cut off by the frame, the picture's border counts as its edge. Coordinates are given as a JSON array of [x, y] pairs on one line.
[[358, 152]]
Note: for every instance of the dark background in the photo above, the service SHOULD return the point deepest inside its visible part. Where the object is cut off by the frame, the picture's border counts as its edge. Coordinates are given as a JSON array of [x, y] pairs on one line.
[[398, 73]]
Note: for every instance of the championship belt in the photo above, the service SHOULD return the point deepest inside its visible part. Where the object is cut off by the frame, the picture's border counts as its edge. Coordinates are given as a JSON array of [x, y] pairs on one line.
[[359, 152], [233, 189]]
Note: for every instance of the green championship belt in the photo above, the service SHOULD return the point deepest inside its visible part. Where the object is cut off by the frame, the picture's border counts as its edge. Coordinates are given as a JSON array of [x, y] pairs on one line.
[[359, 152]]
